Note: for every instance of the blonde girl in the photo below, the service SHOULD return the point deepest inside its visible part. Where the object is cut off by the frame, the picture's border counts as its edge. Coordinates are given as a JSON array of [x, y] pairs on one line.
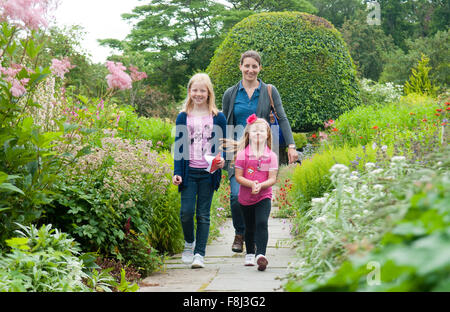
[[199, 127], [256, 167]]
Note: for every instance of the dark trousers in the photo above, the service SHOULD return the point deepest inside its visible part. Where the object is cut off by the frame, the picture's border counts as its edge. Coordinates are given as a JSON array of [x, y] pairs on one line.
[[196, 198], [236, 212], [256, 218]]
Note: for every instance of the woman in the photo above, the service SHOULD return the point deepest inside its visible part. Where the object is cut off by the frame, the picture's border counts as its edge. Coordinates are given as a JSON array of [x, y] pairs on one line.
[[250, 96]]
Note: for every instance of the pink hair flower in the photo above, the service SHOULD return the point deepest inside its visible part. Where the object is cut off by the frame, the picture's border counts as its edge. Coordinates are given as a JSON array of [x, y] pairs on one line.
[[251, 119]]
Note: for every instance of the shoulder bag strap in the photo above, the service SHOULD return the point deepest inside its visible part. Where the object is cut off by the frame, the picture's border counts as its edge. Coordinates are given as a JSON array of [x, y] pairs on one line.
[[269, 91]]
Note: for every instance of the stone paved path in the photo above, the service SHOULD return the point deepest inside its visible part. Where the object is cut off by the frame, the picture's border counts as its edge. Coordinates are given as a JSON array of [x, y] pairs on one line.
[[224, 270]]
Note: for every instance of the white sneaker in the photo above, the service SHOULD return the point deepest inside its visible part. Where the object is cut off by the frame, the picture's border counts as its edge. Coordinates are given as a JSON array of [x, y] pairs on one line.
[[198, 261], [249, 260], [188, 253]]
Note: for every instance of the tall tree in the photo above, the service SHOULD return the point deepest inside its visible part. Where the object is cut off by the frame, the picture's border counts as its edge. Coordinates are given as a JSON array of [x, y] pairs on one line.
[[339, 10]]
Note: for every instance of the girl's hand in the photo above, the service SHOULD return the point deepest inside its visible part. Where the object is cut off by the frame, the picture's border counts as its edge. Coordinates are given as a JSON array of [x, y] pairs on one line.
[[221, 163], [256, 188], [176, 180]]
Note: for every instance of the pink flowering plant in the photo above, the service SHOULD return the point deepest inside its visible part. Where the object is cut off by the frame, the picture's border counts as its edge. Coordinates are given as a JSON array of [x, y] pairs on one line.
[[28, 164], [116, 181]]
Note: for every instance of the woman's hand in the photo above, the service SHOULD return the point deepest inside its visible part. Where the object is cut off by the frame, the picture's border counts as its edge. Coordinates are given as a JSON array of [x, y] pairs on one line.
[[292, 155], [176, 180]]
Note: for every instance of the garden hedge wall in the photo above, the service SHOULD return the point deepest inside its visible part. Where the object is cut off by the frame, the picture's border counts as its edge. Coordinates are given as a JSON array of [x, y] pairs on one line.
[[303, 55]]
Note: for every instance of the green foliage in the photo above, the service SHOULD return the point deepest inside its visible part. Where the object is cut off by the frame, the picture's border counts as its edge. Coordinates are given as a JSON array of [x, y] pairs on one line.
[[398, 64], [102, 190], [166, 233], [312, 178], [41, 260], [368, 45], [419, 82], [28, 163], [410, 256], [300, 139], [220, 207], [378, 94], [392, 121], [303, 55]]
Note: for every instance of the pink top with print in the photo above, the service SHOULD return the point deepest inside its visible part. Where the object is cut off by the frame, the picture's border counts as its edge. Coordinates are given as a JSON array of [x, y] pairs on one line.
[[255, 169], [200, 132]]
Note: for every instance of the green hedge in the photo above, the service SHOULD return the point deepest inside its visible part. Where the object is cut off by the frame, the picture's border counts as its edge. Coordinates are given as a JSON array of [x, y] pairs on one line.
[[303, 55]]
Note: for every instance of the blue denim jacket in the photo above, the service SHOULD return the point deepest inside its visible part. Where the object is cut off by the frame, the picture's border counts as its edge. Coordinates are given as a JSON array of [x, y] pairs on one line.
[[181, 155]]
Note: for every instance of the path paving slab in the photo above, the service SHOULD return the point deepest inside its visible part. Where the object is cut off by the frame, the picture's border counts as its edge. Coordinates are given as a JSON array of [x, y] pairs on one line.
[[224, 269]]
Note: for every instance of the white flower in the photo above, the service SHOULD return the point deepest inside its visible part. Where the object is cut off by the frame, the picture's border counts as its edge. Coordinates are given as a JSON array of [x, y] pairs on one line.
[[348, 189], [364, 188], [320, 200], [384, 148], [377, 171], [320, 219], [353, 177], [398, 159], [339, 168], [374, 146], [378, 187], [366, 212], [370, 166]]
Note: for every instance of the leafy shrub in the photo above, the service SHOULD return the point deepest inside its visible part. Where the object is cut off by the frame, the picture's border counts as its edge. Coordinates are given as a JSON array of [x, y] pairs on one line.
[[166, 233], [312, 178], [412, 254], [102, 190], [376, 94], [362, 124], [28, 164], [300, 140], [303, 55], [419, 82], [137, 250], [220, 207], [41, 260]]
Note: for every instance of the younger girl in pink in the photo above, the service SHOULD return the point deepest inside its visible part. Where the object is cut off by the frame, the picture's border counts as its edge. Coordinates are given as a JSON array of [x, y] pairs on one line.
[[256, 169]]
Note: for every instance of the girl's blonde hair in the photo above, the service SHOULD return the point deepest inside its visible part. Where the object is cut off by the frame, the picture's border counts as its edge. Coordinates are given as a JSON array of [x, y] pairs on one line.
[[232, 146], [211, 101]]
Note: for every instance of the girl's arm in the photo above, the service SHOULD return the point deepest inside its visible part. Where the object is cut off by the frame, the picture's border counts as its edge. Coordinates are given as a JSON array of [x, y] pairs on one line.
[[270, 181], [239, 174]]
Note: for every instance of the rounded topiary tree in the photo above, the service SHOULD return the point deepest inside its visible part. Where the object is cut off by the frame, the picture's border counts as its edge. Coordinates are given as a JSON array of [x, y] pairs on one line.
[[303, 55]]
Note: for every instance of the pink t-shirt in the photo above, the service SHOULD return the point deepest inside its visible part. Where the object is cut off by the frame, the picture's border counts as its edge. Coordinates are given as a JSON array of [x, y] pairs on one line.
[[255, 169], [200, 132]]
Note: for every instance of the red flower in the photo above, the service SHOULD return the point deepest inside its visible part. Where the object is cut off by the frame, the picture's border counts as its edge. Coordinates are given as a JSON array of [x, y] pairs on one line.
[[424, 120], [314, 136], [443, 124], [447, 103], [335, 129], [360, 137], [412, 113], [439, 110], [375, 127], [448, 109], [437, 114], [251, 119]]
